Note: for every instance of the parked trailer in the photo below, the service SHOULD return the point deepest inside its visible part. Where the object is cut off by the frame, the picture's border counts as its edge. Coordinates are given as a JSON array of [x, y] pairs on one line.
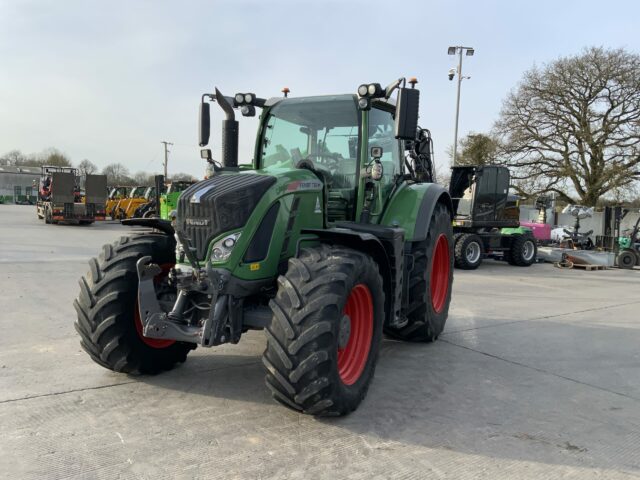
[[60, 200]]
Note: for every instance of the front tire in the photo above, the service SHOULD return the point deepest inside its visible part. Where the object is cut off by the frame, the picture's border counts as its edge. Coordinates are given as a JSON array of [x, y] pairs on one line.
[[430, 282], [324, 337], [626, 259], [108, 320]]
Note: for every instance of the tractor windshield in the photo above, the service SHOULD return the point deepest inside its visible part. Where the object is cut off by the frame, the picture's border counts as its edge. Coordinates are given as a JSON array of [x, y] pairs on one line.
[[321, 132]]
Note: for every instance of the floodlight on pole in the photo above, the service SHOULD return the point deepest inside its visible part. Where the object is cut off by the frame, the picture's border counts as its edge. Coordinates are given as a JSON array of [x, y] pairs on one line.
[[452, 51]]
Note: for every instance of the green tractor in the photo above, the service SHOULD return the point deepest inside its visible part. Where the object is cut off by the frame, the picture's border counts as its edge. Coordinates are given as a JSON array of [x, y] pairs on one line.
[[335, 234]]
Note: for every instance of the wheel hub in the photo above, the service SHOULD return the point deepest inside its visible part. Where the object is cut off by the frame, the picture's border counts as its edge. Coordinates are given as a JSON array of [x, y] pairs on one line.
[[473, 252], [345, 331], [355, 334], [527, 254]]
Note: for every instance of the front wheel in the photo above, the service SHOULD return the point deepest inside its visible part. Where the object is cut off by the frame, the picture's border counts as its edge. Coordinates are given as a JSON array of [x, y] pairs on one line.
[[108, 319], [324, 337], [626, 259], [468, 251]]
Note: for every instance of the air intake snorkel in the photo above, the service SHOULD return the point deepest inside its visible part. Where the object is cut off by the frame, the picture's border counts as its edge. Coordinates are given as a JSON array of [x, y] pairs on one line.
[[229, 133]]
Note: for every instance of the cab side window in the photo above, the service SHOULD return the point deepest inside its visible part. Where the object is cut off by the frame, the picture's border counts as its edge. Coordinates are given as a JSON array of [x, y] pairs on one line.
[[381, 126]]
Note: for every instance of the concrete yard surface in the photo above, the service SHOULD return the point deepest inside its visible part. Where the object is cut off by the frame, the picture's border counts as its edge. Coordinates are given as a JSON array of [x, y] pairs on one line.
[[536, 376]]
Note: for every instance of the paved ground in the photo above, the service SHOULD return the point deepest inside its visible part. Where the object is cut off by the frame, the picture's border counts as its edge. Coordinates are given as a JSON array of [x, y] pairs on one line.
[[537, 376]]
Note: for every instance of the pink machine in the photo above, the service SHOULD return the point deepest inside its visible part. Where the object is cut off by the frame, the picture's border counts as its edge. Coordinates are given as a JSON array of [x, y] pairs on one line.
[[541, 231]]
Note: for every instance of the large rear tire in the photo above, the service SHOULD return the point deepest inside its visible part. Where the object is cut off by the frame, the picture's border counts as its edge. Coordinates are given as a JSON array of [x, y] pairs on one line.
[[324, 337], [468, 251], [430, 282], [107, 306]]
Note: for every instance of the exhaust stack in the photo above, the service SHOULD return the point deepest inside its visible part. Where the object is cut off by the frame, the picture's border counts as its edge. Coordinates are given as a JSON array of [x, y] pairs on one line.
[[229, 133]]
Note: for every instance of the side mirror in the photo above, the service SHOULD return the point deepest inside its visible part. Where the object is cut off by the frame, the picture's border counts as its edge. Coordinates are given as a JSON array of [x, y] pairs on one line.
[[205, 124], [406, 124]]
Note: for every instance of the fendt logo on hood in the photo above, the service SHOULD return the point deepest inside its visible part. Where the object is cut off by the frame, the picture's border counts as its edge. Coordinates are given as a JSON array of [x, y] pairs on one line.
[[197, 222]]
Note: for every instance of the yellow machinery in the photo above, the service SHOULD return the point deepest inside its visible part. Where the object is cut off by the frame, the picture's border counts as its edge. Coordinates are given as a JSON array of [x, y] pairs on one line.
[[115, 195], [126, 207]]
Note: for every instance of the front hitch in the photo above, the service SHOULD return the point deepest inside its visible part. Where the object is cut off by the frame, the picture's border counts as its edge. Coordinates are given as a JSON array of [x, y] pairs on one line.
[[170, 326], [155, 322]]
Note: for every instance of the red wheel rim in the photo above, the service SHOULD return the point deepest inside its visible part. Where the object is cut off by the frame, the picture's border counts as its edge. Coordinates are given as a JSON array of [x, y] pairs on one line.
[[353, 357], [440, 269], [153, 342]]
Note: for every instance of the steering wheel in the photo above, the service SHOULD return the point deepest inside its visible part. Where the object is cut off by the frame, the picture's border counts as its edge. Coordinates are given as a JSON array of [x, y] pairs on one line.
[[330, 160], [309, 164]]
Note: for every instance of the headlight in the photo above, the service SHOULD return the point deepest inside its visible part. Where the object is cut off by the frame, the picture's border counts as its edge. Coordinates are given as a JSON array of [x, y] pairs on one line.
[[362, 90], [364, 103], [222, 249], [248, 98], [239, 98]]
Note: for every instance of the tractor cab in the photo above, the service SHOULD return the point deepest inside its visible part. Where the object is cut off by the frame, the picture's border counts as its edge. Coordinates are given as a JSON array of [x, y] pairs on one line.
[[118, 193], [359, 147], [481, 198], [326, 135], [138, 192]]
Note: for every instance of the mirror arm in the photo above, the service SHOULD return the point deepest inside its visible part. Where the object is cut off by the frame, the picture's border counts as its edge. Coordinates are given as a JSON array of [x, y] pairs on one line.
[[392, 86]]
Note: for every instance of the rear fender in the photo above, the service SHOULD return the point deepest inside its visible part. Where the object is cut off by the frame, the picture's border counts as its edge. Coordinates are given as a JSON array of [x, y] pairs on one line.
[[412, 206]]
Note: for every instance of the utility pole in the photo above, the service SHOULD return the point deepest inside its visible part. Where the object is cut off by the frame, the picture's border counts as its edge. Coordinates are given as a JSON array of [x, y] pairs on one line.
[[166, 156], [452, 51]]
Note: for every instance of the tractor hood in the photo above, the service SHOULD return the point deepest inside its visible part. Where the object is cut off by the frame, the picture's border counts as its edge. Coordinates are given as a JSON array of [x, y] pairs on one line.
[[226, 202]]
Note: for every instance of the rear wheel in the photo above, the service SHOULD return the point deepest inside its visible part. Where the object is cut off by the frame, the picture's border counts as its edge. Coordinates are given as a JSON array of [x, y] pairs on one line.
[[522, 252], [626, 259], [430, 282], [323, 341], [108, 319], [468, 252]]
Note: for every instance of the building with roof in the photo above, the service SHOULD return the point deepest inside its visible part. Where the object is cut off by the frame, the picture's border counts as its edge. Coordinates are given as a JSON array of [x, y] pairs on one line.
[[18, 184]]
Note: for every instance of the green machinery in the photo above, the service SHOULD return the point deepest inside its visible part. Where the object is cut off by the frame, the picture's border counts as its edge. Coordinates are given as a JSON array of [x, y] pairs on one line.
[[169, 199], [629, 245], [335, 234], [487, 218]]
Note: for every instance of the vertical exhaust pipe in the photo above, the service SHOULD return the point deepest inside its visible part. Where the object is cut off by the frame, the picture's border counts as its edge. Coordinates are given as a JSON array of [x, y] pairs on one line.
[[229, 133]]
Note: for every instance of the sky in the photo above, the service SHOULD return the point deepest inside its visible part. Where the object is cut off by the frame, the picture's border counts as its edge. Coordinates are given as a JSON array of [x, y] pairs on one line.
[[109, 80]]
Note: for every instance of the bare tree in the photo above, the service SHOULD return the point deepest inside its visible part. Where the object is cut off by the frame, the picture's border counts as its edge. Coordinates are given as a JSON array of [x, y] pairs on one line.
[[14, 157], [181, 176], [87, 167], [144, 178], [53, 156], [117, 174], [573, 126]]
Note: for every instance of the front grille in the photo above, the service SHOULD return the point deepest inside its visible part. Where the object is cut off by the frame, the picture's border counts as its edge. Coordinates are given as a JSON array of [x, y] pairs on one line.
[[224, 203]]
